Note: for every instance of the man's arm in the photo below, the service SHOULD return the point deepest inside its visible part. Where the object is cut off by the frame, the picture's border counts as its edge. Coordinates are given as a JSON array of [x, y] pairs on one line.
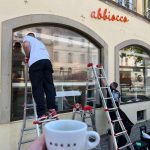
[[27, 48]]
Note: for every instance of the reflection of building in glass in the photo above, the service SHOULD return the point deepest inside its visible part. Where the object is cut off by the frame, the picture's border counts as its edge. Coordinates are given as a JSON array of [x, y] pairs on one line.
[[69, 51], [73, 51], [17, 62], [134, 80], [70, 58]]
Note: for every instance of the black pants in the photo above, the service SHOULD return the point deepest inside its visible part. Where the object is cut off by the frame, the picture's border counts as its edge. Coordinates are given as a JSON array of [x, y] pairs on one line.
[[42, 83]]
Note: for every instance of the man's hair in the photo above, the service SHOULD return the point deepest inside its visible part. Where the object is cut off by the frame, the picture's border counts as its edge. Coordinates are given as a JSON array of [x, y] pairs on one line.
[[115, 84], [17, 44], [31, 34]]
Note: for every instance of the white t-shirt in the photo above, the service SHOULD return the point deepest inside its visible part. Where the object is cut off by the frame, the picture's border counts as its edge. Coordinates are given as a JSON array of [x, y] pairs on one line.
[[38, 50]]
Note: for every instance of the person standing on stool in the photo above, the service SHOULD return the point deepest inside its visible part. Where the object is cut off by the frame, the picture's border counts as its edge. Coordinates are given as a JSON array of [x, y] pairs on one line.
[[40, 73]]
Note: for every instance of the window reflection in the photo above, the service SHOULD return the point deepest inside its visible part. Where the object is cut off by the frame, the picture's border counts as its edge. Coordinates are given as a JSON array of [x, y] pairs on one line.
[[70, 52], [17, 63], [70, 58], [134, 74], [126, 3], [147, 8]]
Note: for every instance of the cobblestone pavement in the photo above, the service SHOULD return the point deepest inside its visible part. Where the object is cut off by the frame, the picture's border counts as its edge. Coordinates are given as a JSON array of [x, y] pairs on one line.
[[135, 135]]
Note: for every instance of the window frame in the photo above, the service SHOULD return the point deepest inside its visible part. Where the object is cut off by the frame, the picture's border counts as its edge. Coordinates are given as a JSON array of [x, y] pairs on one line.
[[13, 24]]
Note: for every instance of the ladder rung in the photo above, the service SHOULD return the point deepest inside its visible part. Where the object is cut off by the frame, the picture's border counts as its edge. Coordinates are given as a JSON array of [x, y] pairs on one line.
[[104, 87], [90, 99], [110, 109], [122, 147], [108, 97], [119, 119], [120, 133], [78, 111], [28, 108], [29, 129], [27, 141], [29, 105], [98, 68], [43, 121]]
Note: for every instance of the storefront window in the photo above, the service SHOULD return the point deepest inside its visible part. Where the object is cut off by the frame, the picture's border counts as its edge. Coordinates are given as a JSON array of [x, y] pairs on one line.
[[66, 48], [126, 3], [147, 8], [134, 74]]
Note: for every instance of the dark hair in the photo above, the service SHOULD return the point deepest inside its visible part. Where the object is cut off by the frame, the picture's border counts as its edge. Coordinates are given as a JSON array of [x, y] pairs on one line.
[[31, 34], [17, 44], [115, 84]]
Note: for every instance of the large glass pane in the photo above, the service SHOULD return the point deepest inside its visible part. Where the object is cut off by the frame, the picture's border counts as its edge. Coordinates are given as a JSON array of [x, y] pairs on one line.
[[126, 3], [134, 74], [148, 8], [70, 52]]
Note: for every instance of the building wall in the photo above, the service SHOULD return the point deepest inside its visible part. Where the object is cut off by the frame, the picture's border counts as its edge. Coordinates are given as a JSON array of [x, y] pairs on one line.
[[108, 34]]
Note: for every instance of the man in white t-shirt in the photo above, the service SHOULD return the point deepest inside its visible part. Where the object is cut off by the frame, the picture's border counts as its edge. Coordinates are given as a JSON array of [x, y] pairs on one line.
[[40, 72]]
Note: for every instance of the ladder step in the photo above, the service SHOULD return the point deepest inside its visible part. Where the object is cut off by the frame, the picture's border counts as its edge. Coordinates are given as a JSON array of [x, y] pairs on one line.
[[127, 145], [120, 133], [101, 77], [108, 97], [90, 99], [43, 121], [27, 141], [78, 111], [111, 109], [104, 87], [29, 129], [29, 105], [117, 120]]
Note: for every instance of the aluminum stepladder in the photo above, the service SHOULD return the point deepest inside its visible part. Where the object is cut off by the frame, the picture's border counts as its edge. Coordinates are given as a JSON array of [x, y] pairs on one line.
[[104, 90], [87, 111], [30, 106]]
